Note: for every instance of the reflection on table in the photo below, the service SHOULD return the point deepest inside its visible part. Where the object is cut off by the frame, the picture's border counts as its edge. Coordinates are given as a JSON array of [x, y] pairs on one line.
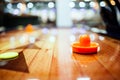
[[45, 54]]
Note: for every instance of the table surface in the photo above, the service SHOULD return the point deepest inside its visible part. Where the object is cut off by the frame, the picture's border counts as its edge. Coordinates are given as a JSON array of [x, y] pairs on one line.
[[45, 54]]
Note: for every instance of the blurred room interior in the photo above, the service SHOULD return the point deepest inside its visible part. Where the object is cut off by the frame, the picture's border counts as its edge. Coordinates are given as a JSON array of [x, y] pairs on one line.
[[41, 39], [100, 16]]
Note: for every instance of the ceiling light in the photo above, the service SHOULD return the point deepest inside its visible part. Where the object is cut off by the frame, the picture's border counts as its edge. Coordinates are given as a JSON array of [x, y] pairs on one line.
[[82, 4], [102, 4], [9, 5], [112, 2], [19, 5], [87, 0], [51, 4], [92, 4], [72, 4], [30, 5]]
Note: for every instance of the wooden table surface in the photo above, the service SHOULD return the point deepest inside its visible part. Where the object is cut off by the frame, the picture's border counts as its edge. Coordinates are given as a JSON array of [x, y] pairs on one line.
[[45, 54]]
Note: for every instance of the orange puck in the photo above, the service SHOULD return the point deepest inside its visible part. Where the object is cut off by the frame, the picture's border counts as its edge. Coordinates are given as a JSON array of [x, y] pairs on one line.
[[29, 28], [86, 50], [84, 45]]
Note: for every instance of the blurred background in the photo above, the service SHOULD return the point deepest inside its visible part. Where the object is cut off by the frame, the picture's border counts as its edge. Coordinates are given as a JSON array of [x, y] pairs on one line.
[[101, 16]]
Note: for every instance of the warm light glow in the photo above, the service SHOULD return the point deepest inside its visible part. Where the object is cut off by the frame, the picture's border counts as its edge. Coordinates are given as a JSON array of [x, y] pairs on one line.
[[83, 78], [72, 4], [23, 8], [51, 5], [101, 38], [98, 49], [112, 2], [33, 79], [82, 4]]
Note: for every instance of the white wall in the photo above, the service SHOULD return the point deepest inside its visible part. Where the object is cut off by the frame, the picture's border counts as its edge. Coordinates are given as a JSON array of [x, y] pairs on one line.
[[63, 13]]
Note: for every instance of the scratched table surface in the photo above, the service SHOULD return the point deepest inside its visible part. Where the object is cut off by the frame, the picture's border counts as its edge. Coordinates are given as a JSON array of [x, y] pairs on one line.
[[45, 54]]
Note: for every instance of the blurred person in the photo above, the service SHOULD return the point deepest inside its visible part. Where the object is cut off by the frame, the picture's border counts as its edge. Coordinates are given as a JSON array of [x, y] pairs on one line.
[[110, 14]]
